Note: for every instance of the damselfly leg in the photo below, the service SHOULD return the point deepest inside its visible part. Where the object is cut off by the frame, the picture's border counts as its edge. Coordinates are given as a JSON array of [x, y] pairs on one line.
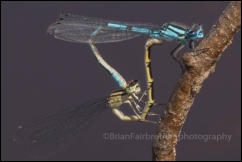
[[176, 57], [175, 54], [125, 96]]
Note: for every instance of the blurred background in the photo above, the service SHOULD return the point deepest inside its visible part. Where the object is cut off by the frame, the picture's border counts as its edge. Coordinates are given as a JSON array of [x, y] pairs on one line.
[[41, 74]]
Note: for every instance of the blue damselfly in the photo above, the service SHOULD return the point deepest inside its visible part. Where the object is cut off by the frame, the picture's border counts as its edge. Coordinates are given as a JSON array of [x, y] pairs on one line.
[[82, 29]]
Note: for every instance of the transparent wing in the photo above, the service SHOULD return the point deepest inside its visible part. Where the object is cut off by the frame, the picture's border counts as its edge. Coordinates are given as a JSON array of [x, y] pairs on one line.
[[77, 28], [51, 134]]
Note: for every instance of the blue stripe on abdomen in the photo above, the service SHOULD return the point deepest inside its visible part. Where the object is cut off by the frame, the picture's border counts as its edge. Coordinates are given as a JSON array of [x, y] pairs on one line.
[[140, 30], [117, 79], [118, 26]]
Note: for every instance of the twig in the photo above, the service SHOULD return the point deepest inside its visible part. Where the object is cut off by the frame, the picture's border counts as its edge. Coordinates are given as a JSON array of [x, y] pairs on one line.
[[199, 68]]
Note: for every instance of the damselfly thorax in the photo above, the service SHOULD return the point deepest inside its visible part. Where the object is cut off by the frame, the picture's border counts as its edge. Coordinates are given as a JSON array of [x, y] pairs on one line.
[[117, 98], [127, 95]]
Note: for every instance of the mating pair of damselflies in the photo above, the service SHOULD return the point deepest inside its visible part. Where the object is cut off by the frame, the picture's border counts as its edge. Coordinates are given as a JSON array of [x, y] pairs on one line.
[[51, 131]]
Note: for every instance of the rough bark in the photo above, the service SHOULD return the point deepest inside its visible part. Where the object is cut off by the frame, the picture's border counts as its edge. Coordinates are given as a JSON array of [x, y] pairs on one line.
[[199, 67]]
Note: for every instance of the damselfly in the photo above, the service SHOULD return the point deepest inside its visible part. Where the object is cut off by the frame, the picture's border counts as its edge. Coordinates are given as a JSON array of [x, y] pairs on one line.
[[80, 29]]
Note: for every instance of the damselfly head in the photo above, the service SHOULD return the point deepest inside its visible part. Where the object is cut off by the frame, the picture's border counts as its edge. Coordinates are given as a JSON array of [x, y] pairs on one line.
[[196, 32], [133, 87]]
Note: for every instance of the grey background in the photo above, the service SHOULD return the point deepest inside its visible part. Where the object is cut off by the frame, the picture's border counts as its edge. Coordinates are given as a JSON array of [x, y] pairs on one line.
[[41, 74]]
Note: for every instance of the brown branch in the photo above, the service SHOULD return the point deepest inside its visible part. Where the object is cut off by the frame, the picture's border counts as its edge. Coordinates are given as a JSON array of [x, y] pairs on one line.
[[198, 69]]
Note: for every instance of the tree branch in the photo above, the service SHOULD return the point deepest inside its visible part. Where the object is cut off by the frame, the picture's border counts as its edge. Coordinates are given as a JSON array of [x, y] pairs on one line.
[[199, 67]]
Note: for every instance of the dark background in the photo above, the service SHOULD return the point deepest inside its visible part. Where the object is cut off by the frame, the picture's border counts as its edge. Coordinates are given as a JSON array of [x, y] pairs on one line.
[[42, 74]]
